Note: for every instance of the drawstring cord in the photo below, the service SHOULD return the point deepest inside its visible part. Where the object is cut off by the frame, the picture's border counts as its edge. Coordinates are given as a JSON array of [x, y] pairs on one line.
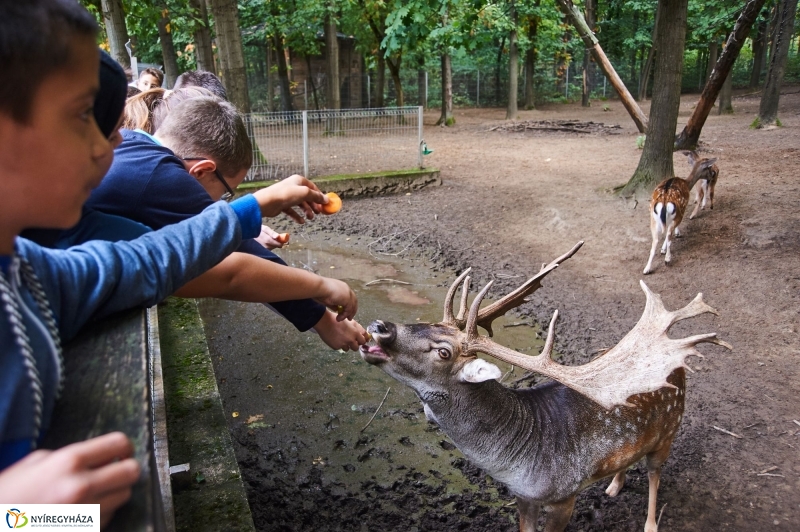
[[12, 307]]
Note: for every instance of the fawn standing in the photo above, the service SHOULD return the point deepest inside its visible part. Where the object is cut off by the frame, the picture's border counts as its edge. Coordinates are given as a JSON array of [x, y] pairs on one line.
[[706, 182]]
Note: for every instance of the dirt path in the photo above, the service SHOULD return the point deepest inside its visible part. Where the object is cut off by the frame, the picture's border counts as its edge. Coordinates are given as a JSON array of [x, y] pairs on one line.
[[511, 201]]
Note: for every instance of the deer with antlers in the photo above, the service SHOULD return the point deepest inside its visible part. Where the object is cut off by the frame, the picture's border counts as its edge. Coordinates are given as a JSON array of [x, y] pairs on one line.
[[667, 205], [549, 442], [706, 182]]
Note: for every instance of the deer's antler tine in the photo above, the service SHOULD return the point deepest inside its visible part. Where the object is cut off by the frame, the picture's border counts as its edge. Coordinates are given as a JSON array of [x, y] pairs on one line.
[[517, 297], [449, 319], [547, 350], [462, 309], [472, 320]]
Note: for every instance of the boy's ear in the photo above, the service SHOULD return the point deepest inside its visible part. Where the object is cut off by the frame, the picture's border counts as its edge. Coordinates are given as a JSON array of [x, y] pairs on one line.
[[199, 168]]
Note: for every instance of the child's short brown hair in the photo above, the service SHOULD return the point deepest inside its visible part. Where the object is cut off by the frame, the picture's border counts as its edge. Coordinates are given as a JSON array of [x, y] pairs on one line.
[[156, 73], [209, 127], [28, 56]]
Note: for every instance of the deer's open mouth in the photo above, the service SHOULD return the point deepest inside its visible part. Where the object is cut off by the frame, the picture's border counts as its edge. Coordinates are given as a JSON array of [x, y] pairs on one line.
[[373, 354]]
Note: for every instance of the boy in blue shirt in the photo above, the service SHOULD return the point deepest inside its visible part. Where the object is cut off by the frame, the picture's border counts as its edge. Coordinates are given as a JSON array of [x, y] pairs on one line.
[[52, 155], [200, 152]]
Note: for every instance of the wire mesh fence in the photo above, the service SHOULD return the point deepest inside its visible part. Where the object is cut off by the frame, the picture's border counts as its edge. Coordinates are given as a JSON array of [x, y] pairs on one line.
[[329, 142]]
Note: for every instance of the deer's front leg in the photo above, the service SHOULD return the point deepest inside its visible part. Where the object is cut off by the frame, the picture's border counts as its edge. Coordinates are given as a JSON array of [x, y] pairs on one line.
[[558, 515], [701, 198], [528, 514]]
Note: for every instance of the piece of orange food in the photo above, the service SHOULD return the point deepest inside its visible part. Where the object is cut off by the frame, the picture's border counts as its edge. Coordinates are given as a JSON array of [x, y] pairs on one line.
[[334, 204], [283, 238]]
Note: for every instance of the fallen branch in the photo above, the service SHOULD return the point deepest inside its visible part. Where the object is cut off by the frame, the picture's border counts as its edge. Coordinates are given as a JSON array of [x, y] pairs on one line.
[[658, 521], [770, 475], [767, 470], [729, 433], [377, 281], [376, 410]]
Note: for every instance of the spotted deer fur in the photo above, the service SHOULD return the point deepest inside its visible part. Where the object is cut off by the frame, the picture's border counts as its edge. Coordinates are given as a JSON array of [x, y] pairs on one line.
[[667, 207], [705, 184]]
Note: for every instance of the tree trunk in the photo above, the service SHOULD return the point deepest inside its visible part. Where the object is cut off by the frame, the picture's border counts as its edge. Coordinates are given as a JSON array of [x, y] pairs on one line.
[[768, 110], [230, 53], [759, 51], [333, 97], [311, 81], [688, 138], [422, 85], [513, 66], [447, 93], [589, 12], [713, 50], [380, 82], [270, 83], [651, 54], [725, 96], [167, 50], [530, 63], [394, 70], [203, 51], [497, 98], [600, 58], [283, 76], [655, 163], [114, 20], [633, 80]]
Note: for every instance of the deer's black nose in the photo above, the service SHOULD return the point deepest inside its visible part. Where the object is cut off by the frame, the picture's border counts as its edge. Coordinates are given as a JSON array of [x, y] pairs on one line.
[[383, 332]]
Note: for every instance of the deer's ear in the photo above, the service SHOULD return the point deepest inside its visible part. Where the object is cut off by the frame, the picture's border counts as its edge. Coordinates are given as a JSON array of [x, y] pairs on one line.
[[478, 371]]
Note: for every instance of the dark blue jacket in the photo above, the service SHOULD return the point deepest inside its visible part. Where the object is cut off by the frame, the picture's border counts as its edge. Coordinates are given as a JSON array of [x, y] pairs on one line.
[[149, 184]]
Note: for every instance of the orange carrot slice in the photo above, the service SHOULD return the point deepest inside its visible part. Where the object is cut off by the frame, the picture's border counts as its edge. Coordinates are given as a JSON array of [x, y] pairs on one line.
[[283, 238], [334, 205]]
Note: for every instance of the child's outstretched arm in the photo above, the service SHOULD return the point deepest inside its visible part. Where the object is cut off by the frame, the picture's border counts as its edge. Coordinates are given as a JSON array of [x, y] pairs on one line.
[[96, 471], [245, 277]]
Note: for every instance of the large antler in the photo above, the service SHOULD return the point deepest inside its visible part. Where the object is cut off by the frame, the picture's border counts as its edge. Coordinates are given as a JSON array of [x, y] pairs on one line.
[[639, 363], [486, 316]]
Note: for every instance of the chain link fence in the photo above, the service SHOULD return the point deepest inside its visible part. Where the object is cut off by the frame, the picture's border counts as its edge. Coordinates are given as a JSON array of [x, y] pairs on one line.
[[330, 142]]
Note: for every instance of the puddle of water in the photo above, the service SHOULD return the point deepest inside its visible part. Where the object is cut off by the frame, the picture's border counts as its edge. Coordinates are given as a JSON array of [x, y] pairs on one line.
[[307, 404]]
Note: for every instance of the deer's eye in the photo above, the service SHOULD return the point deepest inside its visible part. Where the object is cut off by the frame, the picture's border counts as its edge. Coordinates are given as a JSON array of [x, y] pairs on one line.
[[444, 354]]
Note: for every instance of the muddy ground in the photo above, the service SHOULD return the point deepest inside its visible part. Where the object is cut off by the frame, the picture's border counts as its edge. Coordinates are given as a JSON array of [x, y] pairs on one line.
[[511, 201]]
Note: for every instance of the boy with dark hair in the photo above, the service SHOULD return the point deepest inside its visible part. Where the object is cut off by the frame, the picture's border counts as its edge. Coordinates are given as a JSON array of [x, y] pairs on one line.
[[203, 79], [52, 154], [150, 78], [198, 155]]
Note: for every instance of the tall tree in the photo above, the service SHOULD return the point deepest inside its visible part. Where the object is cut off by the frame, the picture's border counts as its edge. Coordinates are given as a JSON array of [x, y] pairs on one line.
[[333, 96], [513, 64], [644, 80], [591, 42], [655, 163], [230, 52], [446, 117], [589, 11], [171, 70], [759, 53], [726, 96], [203, 51], [117, 31], [422, 83], [283, 74], [687, 140], [530, 60], [768, 110]]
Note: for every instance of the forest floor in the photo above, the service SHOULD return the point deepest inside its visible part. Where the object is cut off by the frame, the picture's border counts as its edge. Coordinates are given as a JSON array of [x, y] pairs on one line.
[[514, 200]]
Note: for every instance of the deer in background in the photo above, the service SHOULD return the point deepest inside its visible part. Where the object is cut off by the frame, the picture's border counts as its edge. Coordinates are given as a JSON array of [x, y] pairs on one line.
[[549, 442], [707, 181], [667, 206]]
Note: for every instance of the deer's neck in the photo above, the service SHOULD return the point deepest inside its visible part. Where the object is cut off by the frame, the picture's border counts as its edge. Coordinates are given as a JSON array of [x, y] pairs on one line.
[[492, 425]]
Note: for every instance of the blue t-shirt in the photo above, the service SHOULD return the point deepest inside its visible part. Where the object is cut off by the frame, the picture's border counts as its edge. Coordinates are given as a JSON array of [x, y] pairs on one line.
[[148, 183]]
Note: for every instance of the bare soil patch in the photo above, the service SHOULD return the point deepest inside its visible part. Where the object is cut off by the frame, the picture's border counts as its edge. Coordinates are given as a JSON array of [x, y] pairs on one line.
[[512, 200]]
